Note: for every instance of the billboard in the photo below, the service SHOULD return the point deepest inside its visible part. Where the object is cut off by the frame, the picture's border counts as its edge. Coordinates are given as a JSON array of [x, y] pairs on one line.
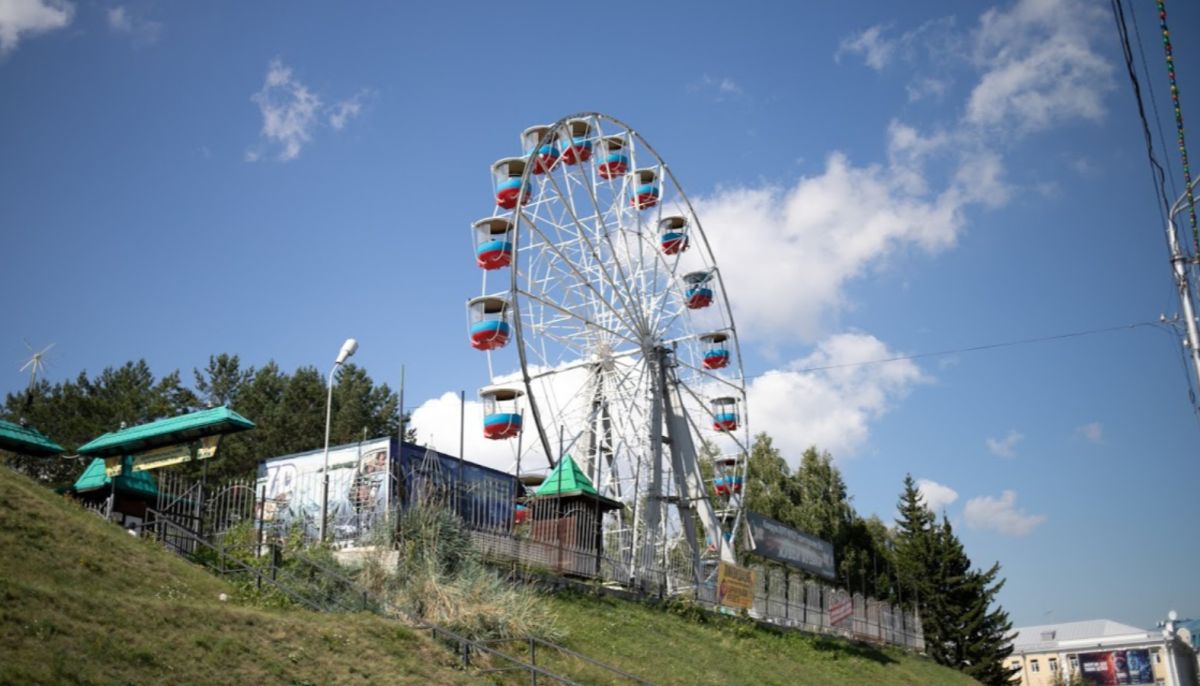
[[359, 488], [482, 496], [782, 543], [1113, 667]]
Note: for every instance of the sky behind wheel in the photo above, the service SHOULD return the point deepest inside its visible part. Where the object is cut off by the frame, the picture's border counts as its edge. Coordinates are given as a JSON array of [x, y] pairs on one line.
[[176, 183]]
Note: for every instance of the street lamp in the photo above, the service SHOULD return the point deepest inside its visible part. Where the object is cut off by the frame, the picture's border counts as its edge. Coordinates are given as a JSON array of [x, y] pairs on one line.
[[348, 349]]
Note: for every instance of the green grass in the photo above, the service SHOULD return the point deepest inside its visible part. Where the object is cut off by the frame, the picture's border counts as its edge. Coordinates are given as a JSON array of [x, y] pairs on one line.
[[81, 601], [670, 648]]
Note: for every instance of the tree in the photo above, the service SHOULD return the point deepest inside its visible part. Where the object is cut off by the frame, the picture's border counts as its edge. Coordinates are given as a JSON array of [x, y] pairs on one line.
[[914, 545], [222, 379]]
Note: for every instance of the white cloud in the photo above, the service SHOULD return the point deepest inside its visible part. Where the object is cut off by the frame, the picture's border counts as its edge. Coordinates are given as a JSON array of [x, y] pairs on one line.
[[1038, 69], [721, 88], [923, 87], [1000, 515], [292, 112], [1005, 447], [828, 229], [937, 496], [830, 408], [24, 18], [144, 31], [437, 424], [875, 49], [1092, 432], [345, 110], [289, 111]]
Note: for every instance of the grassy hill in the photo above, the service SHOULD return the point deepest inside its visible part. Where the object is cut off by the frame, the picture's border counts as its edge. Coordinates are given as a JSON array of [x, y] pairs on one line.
[[81, 601], [668, 648]]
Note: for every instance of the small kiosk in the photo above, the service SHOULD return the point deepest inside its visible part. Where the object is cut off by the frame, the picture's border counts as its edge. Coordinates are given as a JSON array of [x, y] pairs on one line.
[[568, 513]]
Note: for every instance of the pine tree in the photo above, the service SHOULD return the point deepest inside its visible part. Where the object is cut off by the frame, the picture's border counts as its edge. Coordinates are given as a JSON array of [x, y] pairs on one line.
[[913, 548], [989, 637]]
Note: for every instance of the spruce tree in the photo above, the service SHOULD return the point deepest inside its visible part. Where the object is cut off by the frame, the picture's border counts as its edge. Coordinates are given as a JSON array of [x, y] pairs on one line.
[[913, 547]]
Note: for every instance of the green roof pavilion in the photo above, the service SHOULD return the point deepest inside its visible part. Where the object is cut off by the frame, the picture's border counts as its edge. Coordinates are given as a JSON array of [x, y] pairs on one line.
[[26, 440], [567, 480], [171, 431], [129, 482]]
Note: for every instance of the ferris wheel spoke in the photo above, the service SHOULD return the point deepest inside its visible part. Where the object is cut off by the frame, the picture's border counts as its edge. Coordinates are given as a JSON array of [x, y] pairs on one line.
[[574, 315], [583, 233], [582, 229], [709, 413], [707, 374], [582, 279]]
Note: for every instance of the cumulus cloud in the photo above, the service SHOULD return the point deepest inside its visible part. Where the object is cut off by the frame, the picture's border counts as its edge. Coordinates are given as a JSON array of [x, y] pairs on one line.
[[145, 31], [1000, 515], [292, 112], [719, 87], [24, 18], [1038, 69], [1092, 432], [937, 496], [832, 407], [437, 425], [1007, 446]]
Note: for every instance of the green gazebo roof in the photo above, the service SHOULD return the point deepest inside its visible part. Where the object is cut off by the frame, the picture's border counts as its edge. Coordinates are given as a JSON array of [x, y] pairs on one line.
[[567, 480], [26, 440], [170, 431], [129, 481]]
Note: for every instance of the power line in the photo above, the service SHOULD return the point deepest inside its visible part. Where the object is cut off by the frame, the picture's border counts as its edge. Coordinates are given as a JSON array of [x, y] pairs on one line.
[[970, 349]]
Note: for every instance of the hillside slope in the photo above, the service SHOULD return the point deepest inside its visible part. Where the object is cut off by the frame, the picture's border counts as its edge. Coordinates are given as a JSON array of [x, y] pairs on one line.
[[672, 649], [81, 601]]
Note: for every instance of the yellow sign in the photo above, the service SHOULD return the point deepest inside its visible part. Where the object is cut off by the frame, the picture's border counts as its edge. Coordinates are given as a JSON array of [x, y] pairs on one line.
[[167, 456], [735, 586]]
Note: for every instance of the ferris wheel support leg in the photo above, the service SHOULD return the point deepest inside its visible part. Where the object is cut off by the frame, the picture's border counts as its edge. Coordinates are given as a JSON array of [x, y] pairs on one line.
[[653, 505], [687, 469]]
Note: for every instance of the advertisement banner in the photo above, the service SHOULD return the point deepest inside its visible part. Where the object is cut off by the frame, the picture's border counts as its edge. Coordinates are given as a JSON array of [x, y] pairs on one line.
[[735, 586], [841, 609], [1116, 667], [359, 488], [781, 543]]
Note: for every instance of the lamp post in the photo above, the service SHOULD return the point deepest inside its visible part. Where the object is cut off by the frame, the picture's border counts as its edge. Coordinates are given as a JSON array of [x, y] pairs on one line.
[[347, 350], [1179, 271]]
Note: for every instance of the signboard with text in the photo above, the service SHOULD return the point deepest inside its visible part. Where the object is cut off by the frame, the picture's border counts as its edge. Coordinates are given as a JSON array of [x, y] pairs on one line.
[[782, 543], [167, 456], [735, 586]]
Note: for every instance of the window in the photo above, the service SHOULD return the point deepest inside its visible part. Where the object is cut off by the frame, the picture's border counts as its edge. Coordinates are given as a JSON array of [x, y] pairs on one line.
[[1158, 657], [1053, 664], [1033, 666], [1016, 664], [1074, 662]]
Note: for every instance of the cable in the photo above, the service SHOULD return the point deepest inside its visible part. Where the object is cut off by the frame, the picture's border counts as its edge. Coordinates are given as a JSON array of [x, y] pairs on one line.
[[1162, 136], [975, 348], [1183, 151]]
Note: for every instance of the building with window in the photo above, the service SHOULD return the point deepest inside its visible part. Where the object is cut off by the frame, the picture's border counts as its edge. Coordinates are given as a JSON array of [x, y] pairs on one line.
[[1102, 652]]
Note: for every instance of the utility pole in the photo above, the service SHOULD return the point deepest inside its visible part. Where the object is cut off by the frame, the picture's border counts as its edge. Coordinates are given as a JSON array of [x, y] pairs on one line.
[[1179, 269]]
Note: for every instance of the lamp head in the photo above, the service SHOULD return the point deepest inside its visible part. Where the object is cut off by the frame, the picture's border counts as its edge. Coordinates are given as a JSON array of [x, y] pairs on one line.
[[348, 349]]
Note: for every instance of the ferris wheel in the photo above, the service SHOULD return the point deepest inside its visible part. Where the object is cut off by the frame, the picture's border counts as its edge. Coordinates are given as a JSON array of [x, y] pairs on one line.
[[610, 339]]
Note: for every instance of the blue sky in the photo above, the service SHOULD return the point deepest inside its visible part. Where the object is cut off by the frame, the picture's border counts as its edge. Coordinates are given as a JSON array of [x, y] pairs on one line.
[[893, 179]]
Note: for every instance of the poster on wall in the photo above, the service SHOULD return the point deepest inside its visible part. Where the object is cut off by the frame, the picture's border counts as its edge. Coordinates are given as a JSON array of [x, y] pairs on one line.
[[735, 586], [1116, 667], [359, 489], [782, 543]]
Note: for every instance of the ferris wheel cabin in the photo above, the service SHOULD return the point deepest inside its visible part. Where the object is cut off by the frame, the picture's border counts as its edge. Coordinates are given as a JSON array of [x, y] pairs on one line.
[[645, 189], [507, 175], [716, 349], [673, 234], [699, 293], [493, 242], [576, 143], [616, 162], [501, 416], [728, 480], [542, 153], [725, 415], [489, 322]]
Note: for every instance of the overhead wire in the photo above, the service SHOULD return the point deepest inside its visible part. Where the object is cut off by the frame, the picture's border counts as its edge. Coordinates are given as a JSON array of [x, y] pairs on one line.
[[958, 351]]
